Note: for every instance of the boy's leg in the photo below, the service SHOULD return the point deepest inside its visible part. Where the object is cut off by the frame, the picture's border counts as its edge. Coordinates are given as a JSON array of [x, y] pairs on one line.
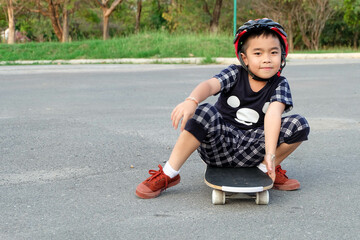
[[284, 150], [184, 147], [160, 180], [196, 129], [282, 182]]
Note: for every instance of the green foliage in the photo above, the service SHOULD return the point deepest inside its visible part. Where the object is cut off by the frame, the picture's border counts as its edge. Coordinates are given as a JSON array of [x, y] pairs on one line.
[[89, 15], [153, 12], [352, 12], [177, 17], [37, 29], [336, 33]]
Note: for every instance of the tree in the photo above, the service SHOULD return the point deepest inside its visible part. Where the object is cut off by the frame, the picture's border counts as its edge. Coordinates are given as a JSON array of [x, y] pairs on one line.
[[107, 11], [57, 10], [13, 9], [214, 16], [309, 16], [195, 16], [11, 17], [311, 19]]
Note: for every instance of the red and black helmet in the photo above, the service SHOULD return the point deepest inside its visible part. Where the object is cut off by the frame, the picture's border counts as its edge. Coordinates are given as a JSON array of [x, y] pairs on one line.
[[253, 25]]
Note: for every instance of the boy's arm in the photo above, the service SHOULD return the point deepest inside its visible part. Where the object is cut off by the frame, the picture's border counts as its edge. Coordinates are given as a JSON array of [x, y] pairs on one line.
[[272, 130], [186, 109]]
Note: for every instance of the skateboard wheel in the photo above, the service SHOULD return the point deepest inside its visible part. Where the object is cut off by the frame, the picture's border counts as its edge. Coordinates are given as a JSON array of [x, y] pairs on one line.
[[218, 197], [262, 198]]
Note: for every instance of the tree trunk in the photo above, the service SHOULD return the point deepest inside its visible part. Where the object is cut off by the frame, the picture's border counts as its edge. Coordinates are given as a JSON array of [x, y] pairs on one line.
[[106, 14], [105, 27], [55, 21], [11, 34], [306, 40], [215, 16], [138, 15], [65, 32], [214, 23], [290, 40], [290, 32], [356, 36]]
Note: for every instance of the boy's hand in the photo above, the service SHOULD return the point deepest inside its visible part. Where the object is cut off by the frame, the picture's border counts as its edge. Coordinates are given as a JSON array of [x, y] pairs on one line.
[[184, 111], [270, 165]]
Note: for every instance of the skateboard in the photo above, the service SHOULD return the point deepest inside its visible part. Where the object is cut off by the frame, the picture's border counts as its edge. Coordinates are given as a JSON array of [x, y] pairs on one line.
[[238, 183]]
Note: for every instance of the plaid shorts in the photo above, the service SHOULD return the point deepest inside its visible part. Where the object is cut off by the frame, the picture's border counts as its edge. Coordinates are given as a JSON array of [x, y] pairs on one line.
[[224, 145]]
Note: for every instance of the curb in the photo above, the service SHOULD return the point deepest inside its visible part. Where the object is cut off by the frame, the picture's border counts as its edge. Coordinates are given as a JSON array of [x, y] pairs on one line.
[[291, 56]]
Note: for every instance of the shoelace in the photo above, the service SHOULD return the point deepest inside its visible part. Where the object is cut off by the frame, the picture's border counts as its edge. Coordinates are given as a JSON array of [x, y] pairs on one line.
[[281, 171], [156, 174]]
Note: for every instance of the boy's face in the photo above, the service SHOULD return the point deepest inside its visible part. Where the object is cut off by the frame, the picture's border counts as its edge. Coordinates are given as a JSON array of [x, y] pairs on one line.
[[263, 56]]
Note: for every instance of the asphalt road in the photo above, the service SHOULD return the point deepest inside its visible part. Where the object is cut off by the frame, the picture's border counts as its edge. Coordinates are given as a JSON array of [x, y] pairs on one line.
[[75, 140]]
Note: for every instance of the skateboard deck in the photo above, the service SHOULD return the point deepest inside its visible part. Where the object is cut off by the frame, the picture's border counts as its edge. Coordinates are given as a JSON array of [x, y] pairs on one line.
[[238, 183]]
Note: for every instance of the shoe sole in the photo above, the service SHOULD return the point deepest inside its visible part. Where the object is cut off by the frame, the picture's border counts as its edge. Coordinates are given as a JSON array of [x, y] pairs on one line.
[[149, 195], [289, 187]]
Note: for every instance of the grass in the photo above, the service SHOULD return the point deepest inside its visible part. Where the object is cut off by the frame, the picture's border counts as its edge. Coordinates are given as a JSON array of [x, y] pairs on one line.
[[144, 45]]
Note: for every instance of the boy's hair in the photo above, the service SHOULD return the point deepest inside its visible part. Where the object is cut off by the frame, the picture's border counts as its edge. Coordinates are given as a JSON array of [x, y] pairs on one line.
[[257, 33]]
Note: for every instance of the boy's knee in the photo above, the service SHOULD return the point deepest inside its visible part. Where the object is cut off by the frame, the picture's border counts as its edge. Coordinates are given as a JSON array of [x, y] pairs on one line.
[[296, 129], [303, 124], [203, 118], [296, 123]]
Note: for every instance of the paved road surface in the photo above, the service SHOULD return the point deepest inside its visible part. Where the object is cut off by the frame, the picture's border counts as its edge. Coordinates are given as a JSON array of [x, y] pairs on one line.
[[70, 134]]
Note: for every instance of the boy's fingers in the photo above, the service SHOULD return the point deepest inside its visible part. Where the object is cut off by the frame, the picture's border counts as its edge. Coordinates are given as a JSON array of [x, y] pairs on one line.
[[177, 119], [271, 171], [173, 113], [173, 117], [268, 166], [182, 111], [183, 122], [175, 123], [272, 175]]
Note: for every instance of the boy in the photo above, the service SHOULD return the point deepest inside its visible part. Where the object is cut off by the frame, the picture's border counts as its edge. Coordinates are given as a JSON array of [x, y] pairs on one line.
[[245, 127]]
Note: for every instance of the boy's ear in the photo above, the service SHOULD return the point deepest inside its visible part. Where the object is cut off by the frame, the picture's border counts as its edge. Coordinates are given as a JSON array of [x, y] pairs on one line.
[[244, 58]]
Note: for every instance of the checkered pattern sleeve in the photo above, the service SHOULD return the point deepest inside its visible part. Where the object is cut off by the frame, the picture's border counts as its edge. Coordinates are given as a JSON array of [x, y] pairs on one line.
[[227, 77], [283, 94]]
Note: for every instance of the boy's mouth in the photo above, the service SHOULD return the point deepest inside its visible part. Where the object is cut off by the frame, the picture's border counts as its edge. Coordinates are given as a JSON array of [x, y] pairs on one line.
[[266, 68]]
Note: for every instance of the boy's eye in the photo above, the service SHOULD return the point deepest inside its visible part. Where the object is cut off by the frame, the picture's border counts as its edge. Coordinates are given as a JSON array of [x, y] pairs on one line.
[[274, 52], [257, 53]]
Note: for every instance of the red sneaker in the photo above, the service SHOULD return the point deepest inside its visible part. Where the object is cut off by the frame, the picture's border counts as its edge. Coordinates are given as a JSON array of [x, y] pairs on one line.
[[154, 185], [282, 182]]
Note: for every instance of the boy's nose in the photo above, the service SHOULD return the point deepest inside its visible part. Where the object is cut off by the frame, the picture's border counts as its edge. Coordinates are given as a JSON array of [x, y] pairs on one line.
[[267, 58]]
